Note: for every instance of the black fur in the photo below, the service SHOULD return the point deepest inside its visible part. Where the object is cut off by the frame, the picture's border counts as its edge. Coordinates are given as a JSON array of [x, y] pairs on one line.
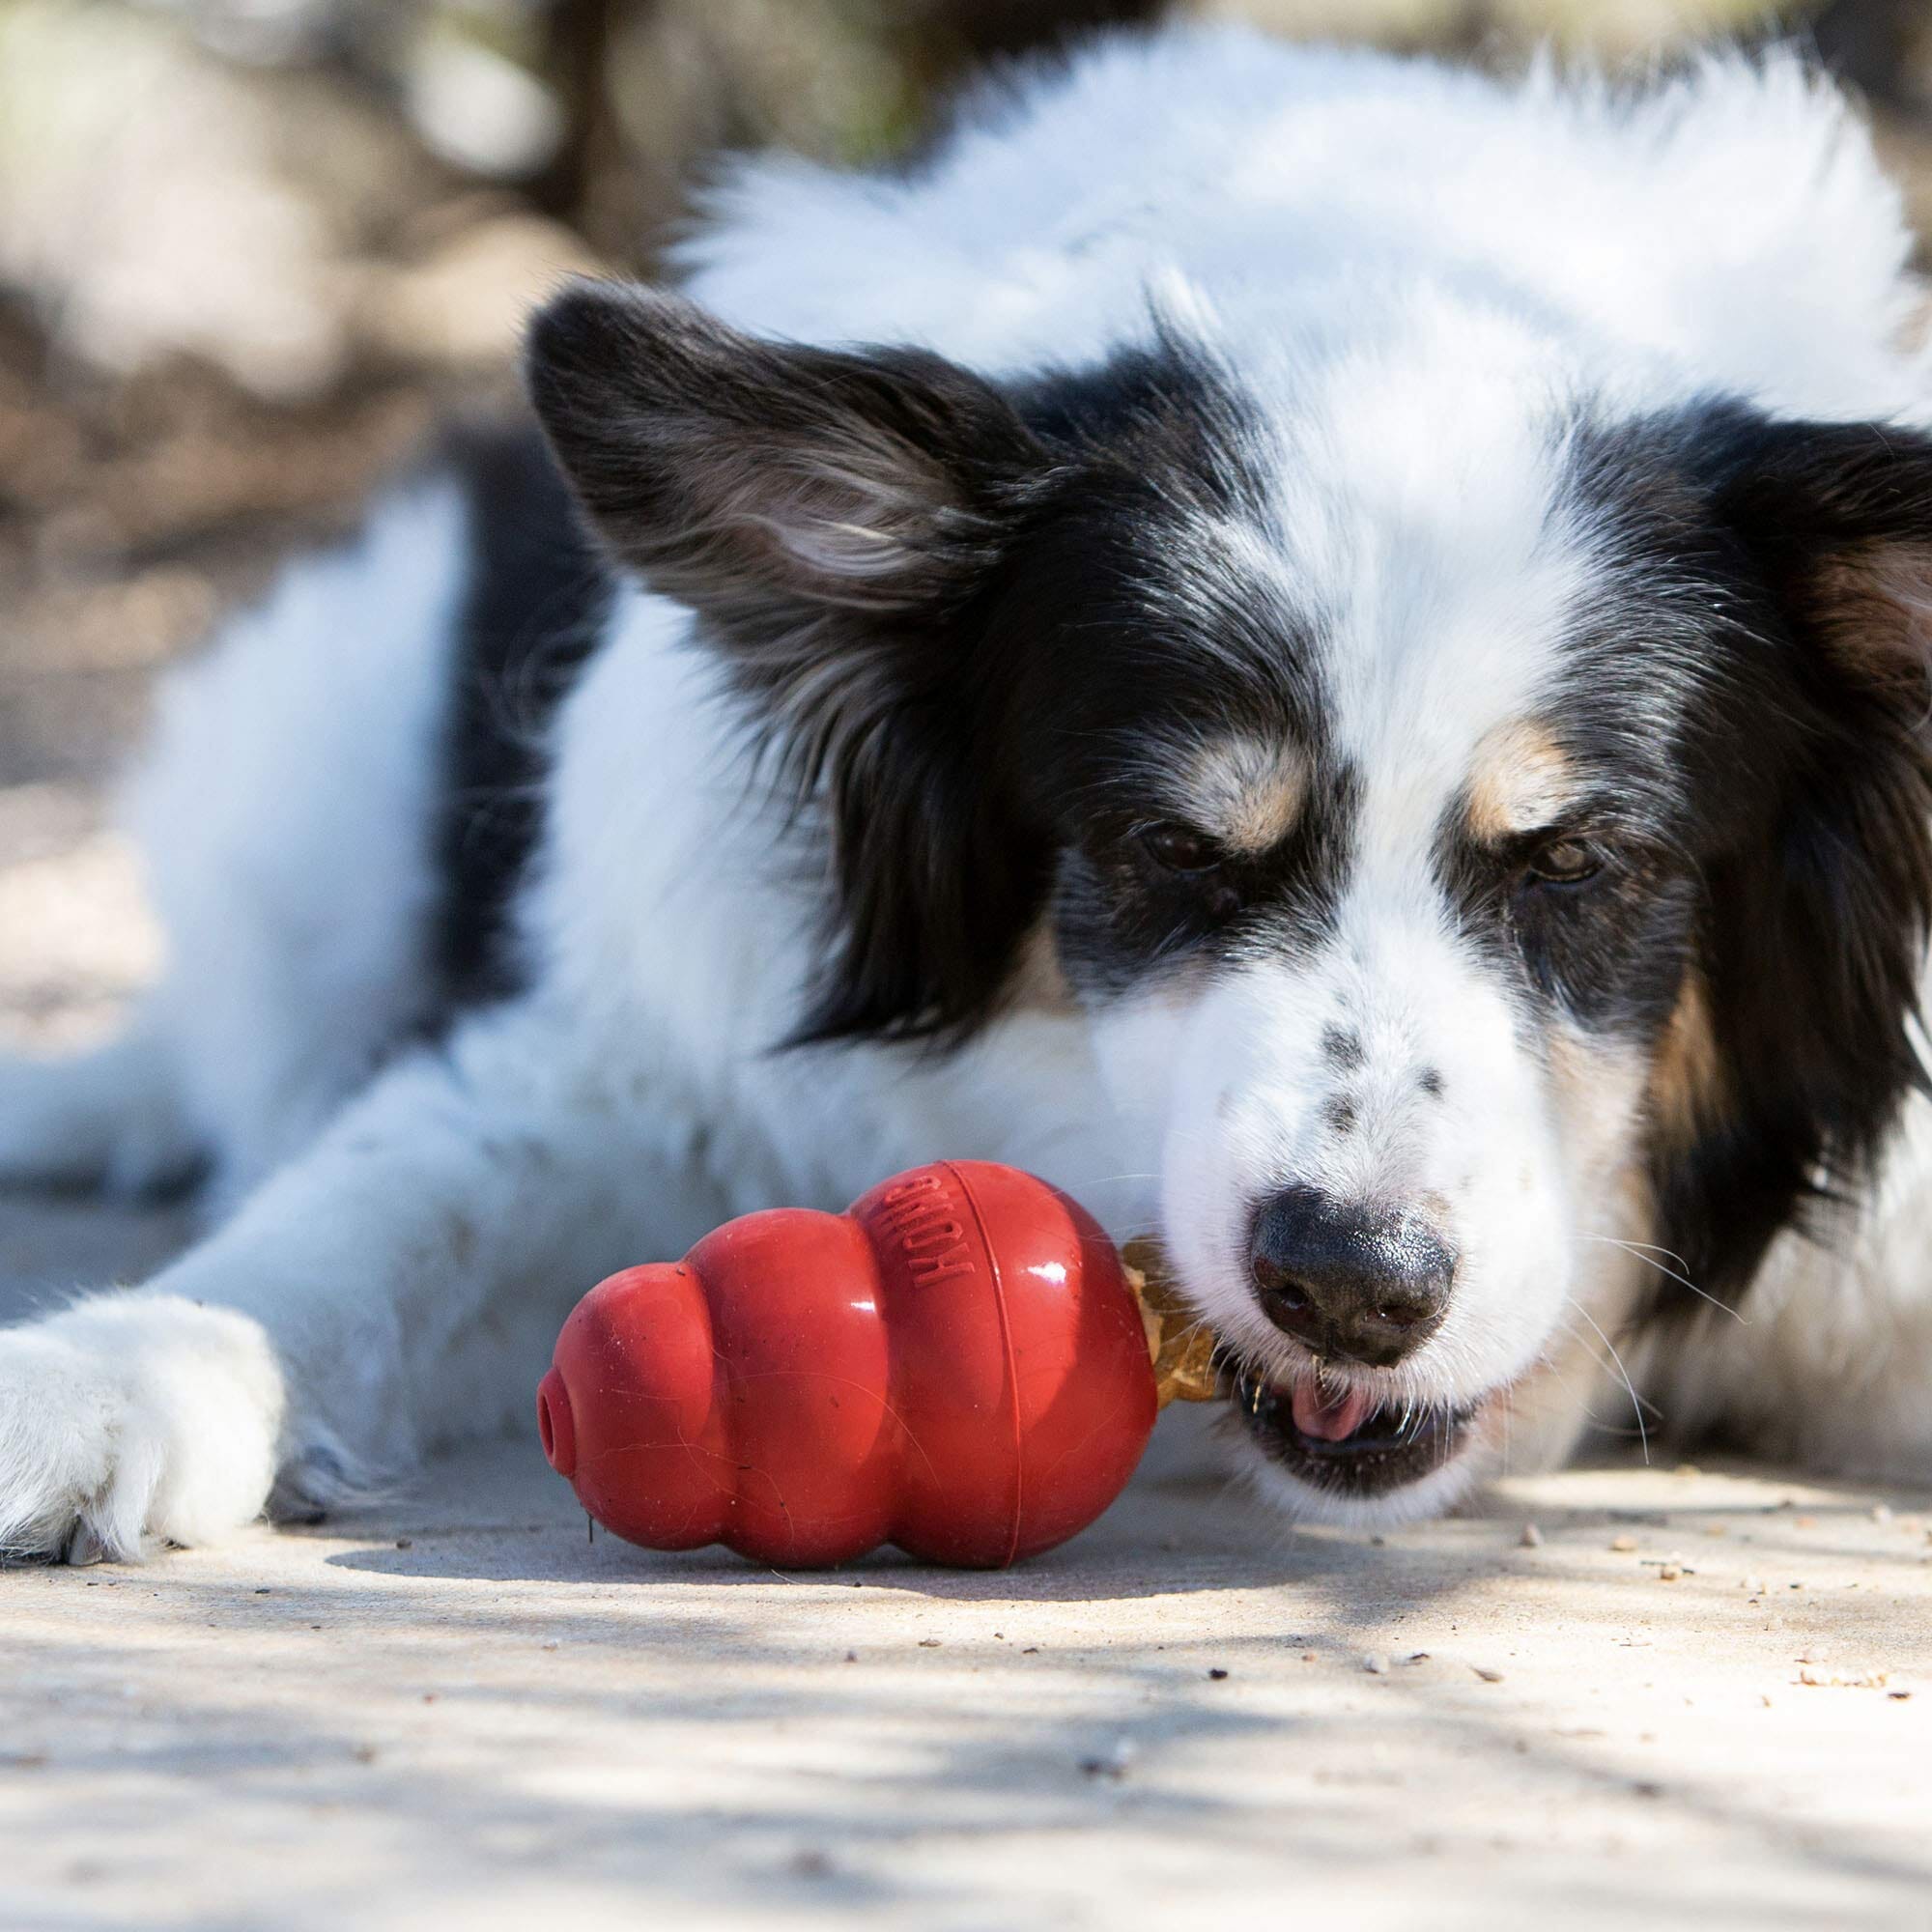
[[1133, 640], [1759, 699], [1818, 911], [536, 598]]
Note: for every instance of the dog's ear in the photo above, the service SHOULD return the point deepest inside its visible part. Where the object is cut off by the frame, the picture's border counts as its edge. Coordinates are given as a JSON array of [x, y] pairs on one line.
[[832, 515], [1819, 930], [764, 482], [1838, 516]]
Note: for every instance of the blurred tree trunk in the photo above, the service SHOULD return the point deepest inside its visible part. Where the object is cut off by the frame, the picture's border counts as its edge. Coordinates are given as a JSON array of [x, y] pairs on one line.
[[991, 29], [1881, 47], [939, 42], [576, 60]]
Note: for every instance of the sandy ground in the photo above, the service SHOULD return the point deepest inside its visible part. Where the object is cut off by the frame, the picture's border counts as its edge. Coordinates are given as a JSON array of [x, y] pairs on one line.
[[455, 1710], [1681, 1697]]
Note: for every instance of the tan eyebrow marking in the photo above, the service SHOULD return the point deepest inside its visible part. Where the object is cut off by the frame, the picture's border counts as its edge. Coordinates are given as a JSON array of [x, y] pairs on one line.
[[1248, 792], [1520, 779]]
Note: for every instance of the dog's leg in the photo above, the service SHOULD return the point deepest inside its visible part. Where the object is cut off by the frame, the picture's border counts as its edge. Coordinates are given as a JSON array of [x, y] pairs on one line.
[[113, 1119], [397, 1286]]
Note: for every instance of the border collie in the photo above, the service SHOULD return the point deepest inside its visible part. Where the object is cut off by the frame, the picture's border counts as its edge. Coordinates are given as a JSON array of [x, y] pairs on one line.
[[1327, 651]]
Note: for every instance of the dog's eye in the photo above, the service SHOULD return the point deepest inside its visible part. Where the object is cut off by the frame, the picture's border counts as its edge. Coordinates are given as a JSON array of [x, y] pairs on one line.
[[1566, 862], [1174, 848]]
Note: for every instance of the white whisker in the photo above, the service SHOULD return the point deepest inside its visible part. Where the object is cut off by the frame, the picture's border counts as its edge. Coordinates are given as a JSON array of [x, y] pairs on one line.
[[1636, 1404], [1633, 1249]]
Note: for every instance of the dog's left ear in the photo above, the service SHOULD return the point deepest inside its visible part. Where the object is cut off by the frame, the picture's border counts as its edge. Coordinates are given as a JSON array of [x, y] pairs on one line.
[[831, 515], [1839, 518], [1815, 955]]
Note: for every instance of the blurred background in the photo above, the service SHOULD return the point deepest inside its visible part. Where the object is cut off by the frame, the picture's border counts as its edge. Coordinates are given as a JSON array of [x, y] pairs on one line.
[[251, 249]]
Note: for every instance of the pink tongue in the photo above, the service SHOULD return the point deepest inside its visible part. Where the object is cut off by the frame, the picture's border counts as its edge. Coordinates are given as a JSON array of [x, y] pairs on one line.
[[1330, 1415]]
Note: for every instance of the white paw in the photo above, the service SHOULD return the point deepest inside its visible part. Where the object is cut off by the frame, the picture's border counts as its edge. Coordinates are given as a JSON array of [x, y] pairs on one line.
[[131, 1420]]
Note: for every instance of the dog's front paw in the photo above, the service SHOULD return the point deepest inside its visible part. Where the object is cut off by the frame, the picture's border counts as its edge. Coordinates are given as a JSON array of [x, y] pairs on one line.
[[131, 1420]]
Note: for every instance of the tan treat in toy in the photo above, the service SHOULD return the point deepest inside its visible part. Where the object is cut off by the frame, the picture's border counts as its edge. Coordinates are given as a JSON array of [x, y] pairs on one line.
[[1180, 1344]]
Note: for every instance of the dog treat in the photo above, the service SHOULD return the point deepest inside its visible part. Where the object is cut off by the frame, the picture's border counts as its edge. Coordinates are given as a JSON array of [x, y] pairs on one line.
[[1180, 1344], [960, 1364]]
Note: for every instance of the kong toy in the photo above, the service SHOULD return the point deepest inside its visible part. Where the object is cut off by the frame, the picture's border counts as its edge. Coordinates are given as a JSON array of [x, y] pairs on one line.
[[960, 1364]]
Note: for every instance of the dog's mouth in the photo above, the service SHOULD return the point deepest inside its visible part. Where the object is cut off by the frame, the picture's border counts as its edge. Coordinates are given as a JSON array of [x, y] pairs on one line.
[[1346, 1440]]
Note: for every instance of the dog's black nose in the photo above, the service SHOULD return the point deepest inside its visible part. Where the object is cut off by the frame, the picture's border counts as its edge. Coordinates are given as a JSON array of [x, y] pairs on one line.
[[1353, 1284]]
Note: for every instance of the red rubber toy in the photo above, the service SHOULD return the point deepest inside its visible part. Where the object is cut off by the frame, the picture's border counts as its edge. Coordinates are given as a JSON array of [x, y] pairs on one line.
[[956, 1365]]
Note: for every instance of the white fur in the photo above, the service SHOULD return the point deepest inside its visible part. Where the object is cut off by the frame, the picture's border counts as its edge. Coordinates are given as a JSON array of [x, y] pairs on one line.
[[283, 807], [1414, 264], [134, 1417]]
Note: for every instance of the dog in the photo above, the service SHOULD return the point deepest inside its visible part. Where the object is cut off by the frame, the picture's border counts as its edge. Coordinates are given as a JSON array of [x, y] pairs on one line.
[[1327, 651]]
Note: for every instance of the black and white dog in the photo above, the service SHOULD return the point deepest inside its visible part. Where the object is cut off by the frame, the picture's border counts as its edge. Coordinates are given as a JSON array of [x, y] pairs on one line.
[[1348, 683]]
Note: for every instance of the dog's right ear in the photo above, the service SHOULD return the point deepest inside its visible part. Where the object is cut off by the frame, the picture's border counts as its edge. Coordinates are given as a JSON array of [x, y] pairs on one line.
[[829, 516], [763, 482]]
